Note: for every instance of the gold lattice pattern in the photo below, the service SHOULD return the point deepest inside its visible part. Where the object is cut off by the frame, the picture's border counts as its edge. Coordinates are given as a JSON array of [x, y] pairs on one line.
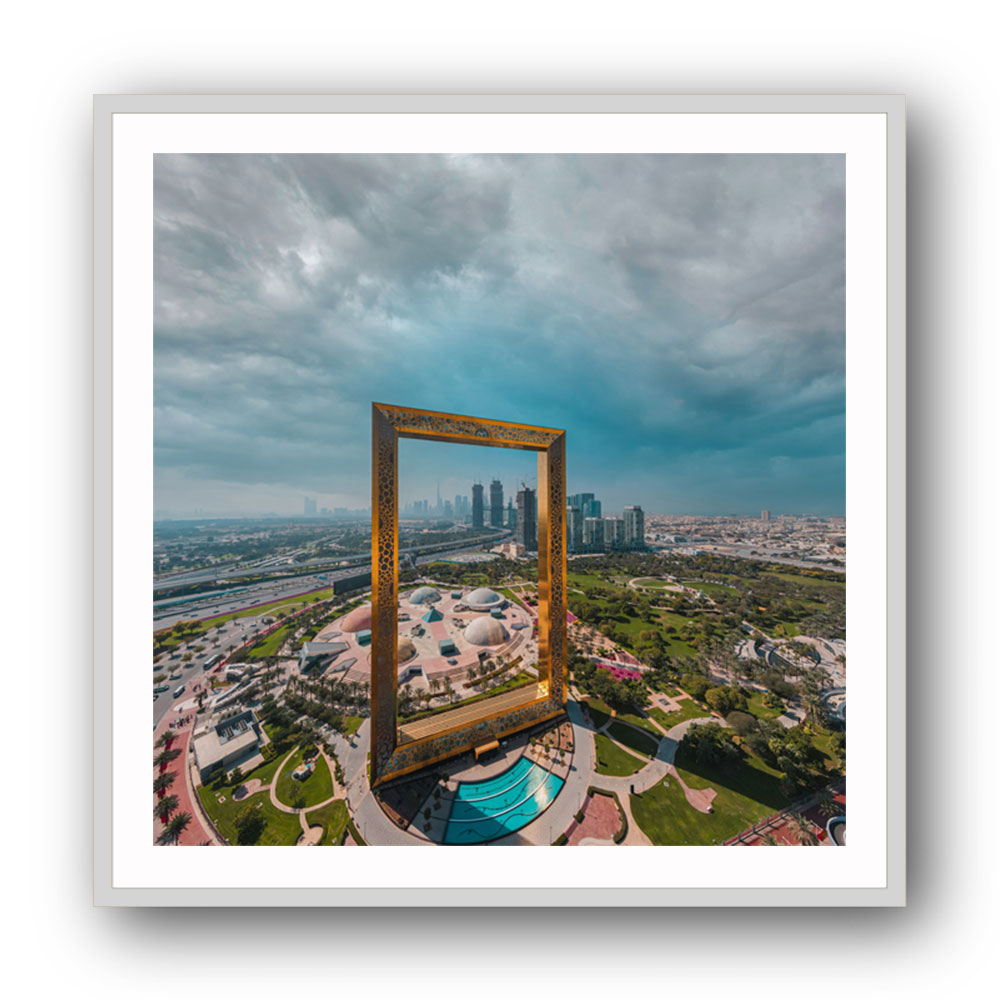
[[389, 424]]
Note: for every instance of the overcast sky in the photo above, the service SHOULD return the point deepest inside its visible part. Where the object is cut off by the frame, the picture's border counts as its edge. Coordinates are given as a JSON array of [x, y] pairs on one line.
[[682, 317]]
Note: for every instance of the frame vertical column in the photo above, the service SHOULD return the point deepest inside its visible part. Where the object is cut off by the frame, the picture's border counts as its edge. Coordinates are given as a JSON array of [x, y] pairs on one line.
[[385, 558], [552, 566]]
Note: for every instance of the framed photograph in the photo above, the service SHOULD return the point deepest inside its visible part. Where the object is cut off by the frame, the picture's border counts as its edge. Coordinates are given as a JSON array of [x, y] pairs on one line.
[[500, 472]]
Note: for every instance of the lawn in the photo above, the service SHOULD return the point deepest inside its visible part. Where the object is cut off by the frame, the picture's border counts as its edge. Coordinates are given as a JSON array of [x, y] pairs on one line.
[[634, 739], [315, 789], [807, 581], [664, 815], [310, 598], [333, 817], [757, 708], [638, 720], [690, 709], [612, 760], [269, 645], [710, 588], [581, 580], [282, 829], [352, 723], [511, 596], [651, 581]]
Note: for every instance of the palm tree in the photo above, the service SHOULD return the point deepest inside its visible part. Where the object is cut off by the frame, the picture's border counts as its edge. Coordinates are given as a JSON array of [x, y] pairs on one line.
[[177, 826], [165, 739], [828, 805], [165, 807], [801, 830], [162, 782], [769, 840], [165, 757]]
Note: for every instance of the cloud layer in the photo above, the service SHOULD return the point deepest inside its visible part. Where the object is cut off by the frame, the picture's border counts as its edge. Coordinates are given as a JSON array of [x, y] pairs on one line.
[[681, 316]]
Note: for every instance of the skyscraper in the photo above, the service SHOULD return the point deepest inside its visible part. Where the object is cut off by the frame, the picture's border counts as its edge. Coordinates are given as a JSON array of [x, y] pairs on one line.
[[593, 534], [309, 507], [496, 504], [614, 533], [527, 519], [635, 527], [591, 507], [574, 529], [511, 515], [578, 500], [765, 515], [477, 505]]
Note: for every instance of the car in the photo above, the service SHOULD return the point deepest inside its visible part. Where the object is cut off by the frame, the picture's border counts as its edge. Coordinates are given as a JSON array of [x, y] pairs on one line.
[[175, 676], [160, 688], [453, 661], [155, 696]]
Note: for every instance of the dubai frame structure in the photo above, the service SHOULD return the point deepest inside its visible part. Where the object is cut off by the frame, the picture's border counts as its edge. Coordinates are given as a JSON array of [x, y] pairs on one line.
[[398, 749]]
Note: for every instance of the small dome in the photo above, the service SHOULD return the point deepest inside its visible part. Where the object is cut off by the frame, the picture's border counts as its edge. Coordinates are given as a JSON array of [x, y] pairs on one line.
[[358, 620], [483, 598], [485, 631], [405, 649], [424, 595]]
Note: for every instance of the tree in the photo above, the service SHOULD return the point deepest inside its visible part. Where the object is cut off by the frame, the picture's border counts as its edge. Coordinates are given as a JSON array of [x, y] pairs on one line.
[[165, 757], [165, 807], [162, 782], [741, 722], [177, 826], [711, 744], [801, 830], [249, 825], [719, 699], [695, 685]]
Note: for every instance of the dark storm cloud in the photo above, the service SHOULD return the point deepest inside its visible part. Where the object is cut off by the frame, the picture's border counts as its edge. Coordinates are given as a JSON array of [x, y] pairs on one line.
[[681, 316]]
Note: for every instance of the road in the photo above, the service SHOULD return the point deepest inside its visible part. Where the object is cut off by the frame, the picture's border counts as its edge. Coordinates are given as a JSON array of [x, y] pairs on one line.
[[210, 605]]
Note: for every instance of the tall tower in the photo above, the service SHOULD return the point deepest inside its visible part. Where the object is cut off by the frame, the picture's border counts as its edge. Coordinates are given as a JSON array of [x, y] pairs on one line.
[[614, 533], [635, 527], [593, 534], [511, 515], [496, 504], [574, 529], [765, 515], [477, 505], [527, 519]]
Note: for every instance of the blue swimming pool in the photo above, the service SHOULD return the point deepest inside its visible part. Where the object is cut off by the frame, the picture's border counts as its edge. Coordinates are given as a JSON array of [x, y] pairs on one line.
[[486, 810]]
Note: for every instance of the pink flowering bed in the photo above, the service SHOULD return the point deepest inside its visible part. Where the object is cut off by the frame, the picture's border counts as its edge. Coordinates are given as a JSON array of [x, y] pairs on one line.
[[620, 673]]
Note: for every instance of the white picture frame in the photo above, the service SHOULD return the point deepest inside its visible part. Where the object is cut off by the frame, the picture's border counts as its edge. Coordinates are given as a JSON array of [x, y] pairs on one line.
[[869, 130]]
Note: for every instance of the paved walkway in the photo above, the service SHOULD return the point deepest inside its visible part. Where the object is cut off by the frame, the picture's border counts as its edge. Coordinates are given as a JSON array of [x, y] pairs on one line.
[[557, 818], [309, 833], [198, 831]]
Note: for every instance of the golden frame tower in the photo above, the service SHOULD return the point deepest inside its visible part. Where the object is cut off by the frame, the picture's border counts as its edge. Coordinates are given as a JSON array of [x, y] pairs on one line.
[[397, 750]]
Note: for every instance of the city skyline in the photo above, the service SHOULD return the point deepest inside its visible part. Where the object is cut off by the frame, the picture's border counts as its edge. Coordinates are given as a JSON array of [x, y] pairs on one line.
[[681, 317]]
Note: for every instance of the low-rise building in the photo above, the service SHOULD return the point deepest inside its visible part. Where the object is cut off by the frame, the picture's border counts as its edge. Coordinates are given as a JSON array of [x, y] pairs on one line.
[[319, 654], [226, 741]]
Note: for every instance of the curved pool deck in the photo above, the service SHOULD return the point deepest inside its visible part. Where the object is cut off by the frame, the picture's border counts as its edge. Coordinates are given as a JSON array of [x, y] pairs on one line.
[[487, 810]]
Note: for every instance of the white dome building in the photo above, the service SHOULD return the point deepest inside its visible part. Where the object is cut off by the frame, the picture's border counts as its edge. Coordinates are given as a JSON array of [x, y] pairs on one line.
[[424, 595], [483, 599], [486, 631], [405, 650]]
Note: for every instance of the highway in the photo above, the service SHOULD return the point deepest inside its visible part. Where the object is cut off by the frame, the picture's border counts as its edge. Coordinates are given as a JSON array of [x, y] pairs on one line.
[[215, 603], [348, 564]]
